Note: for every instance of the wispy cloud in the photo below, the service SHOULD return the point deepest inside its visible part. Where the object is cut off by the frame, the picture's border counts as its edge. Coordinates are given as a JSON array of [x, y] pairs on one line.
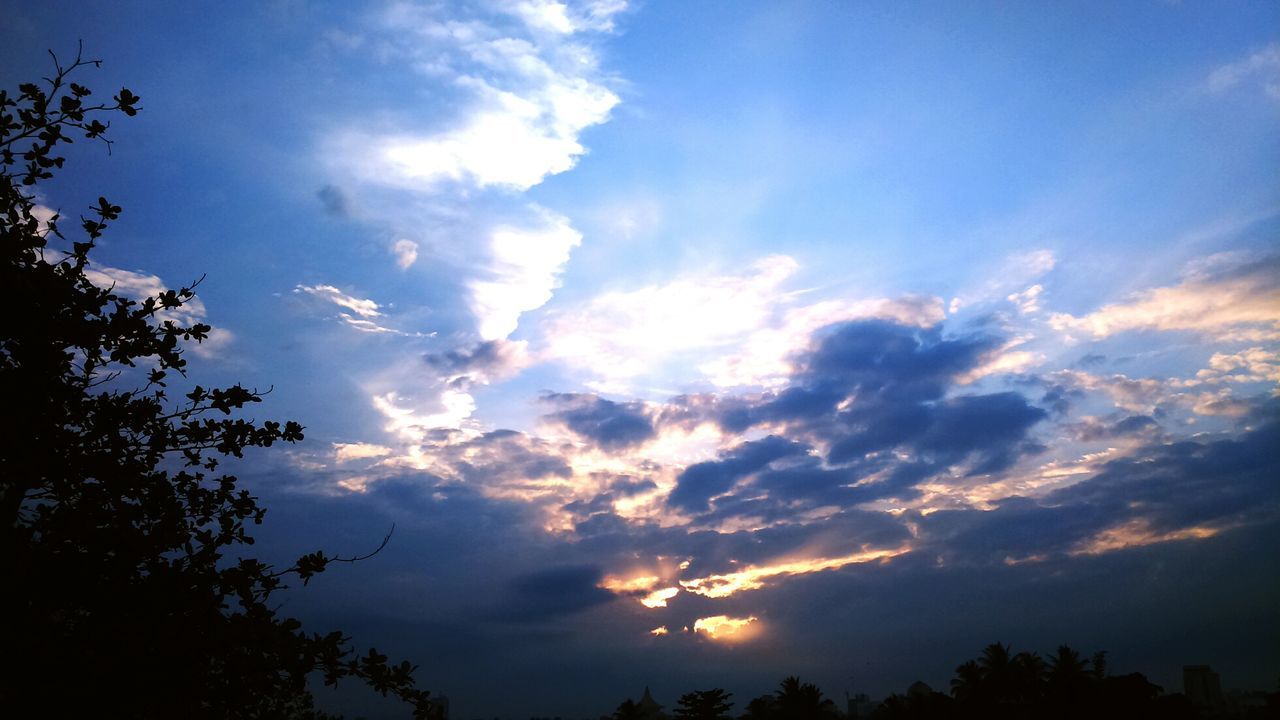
[[1014, 272], [1241, 303], [362, 310], [363, 307], [1260, 68]]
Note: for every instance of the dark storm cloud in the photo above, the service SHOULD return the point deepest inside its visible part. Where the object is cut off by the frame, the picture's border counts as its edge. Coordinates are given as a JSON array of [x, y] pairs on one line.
[[611, 425], [1181, 484], [869, 392], [554, 592], [1164, 486], [701, 481]]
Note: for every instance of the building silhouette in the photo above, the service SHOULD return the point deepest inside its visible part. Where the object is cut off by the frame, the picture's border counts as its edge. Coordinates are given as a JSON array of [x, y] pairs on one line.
[[1202, 686]]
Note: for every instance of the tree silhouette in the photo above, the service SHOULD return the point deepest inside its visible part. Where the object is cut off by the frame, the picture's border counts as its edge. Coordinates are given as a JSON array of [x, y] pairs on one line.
[[704, 705], [120, 598], [764, 707], [628, 710], [802, 701], [967, 684]]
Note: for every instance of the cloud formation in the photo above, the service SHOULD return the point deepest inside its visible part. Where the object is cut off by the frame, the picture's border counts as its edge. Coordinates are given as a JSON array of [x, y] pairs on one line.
[[525, 269], [530, 90], [1239, 303], [738, 329]]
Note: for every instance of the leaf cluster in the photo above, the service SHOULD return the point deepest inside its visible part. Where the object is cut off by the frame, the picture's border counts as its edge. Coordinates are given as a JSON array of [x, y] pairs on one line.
[[123, 597]]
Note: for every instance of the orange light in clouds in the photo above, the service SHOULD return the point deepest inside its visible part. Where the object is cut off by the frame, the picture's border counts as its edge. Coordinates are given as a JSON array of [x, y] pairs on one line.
[[754, 577], [723, 628], [659, 598], [1137, 533], [626, 586], [660, 630]]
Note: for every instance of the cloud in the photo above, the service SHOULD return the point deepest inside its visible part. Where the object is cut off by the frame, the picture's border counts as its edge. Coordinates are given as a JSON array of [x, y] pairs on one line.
[[365, 308], [700, 482], [482, 362], [1159, 491], [1254, 364], [1014, 271], [1240, 303], [334, 200], [568, 18], [611, 425], [747, 319], [757, 577], [524, 271], [362, 310], [138, 286], [624, 334], [723, 628], [765, 358], [554, 592], [347, 452], [1261, 68], [866, 417], [406, 252], [529, 94], [1028, 301], [1135, 395]]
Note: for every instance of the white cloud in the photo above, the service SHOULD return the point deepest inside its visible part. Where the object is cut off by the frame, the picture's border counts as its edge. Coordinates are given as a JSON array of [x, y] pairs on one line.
[[1242, 304], [406, 252], [529, 99], [1137, 395], [1013, 272], [525, 269], [139, 286], [622, 335], [1028, 301], [214, 346], [347, 452], [1262, 67], [751, 324], [363, 307], [1006, 359], [567, 18], [1252, 365], [362, 310]]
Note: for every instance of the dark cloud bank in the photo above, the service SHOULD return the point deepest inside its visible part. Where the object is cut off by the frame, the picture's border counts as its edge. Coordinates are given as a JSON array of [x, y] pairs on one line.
[[508, 619]]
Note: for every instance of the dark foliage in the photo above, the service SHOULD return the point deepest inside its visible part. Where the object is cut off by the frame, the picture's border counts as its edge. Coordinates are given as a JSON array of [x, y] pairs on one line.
[[121, 599], [704, 705], [1001, 684]]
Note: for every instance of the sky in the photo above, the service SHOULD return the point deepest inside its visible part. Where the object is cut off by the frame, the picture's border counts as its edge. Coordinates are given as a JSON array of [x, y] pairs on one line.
[[696, 345]]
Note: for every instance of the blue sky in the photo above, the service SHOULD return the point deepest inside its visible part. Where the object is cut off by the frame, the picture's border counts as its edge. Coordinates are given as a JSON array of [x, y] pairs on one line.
[[699, 344]]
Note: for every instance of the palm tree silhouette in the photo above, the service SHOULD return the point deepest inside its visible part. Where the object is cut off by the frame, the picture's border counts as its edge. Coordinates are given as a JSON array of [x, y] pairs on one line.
[[802, 701], [967, 684]]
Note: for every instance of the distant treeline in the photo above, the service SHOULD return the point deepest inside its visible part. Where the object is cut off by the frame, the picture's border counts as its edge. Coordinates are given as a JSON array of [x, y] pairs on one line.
[[997, 685]]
